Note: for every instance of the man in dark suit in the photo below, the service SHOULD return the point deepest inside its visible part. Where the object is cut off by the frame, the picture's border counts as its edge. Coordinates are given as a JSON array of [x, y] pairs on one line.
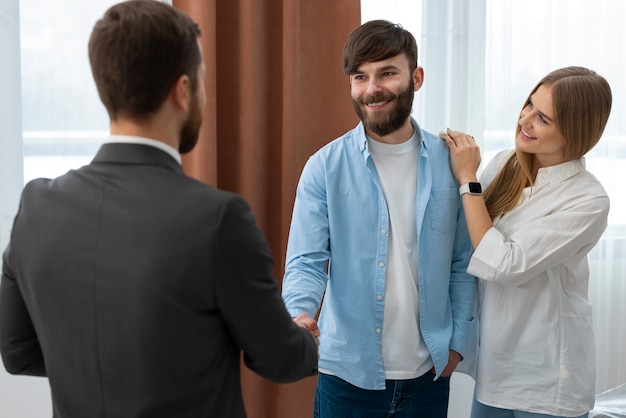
[[131, 286]]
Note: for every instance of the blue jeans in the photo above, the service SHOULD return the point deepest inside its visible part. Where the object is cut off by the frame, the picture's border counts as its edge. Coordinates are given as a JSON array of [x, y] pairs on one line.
[[422, 397], [480, 410]]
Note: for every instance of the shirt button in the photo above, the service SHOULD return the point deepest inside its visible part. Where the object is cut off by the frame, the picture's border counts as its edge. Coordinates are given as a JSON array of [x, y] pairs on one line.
[[383, 231], [379, 297], [377, 330], [381, 264]]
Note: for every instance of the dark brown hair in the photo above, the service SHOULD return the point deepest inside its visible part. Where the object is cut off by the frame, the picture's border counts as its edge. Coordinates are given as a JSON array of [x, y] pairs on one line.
[[378, 40], [137, 50], [581, 101]]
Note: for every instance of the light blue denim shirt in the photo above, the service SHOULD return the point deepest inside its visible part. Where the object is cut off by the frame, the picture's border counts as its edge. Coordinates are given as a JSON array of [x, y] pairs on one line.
[[337, 251]]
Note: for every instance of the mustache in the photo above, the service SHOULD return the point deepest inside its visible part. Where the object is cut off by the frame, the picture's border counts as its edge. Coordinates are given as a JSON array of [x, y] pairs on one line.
[[383, 97]]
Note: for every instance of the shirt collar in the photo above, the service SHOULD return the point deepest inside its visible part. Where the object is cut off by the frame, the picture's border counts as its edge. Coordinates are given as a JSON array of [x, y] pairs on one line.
[[558, 173], [362, 137], [129, 139]]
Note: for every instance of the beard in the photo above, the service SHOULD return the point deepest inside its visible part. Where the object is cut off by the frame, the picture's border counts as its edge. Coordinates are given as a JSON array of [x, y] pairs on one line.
[[190, 131], [391, 120]]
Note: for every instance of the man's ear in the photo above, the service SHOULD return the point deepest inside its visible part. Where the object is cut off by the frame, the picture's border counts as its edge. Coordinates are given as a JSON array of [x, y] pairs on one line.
[[418, 78], [181, 92]]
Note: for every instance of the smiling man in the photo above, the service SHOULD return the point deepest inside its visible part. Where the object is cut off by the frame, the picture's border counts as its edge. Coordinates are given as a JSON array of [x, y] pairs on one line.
[[378, 232]]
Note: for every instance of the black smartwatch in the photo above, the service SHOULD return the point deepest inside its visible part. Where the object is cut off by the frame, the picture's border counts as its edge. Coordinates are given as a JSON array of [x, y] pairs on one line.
[[473, 187]]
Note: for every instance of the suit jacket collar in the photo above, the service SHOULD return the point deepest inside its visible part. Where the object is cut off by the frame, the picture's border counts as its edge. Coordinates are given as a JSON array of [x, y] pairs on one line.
[[138, 154]]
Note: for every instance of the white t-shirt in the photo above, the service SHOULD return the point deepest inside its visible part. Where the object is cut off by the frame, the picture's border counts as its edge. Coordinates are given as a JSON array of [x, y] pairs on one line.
[[537, 350], [405, 355]]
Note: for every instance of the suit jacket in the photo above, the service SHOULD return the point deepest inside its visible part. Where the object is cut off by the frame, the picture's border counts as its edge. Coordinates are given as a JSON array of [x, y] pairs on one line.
[[135, 288]]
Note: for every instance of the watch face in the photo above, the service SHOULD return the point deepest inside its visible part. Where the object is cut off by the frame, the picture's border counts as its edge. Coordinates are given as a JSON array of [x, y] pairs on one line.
[[475, 187]]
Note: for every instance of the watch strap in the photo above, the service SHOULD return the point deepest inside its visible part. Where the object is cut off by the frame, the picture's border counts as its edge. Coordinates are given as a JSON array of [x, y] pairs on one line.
[[473, 187]]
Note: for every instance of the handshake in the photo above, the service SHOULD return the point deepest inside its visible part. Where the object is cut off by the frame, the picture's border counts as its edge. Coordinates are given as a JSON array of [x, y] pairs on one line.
[[304, 320]]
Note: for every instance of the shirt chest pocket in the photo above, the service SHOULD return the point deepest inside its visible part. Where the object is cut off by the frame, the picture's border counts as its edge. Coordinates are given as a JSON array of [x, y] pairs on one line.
[[442, 209]]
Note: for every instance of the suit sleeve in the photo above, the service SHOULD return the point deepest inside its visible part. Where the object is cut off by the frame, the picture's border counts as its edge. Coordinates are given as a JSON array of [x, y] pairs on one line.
[[19, 346], [249, 299]]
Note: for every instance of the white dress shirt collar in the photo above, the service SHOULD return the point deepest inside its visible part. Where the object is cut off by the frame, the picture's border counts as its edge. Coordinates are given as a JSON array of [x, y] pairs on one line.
[[129, 139]]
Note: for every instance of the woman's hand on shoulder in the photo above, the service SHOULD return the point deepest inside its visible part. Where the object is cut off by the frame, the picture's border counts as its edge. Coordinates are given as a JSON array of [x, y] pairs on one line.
[[464, 155]]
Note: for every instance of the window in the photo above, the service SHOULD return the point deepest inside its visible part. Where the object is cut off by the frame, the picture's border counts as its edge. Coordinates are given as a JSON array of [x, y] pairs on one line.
[[63, 120]]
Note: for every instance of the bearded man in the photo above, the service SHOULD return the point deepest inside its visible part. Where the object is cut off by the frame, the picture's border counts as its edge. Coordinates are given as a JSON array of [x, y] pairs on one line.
[[378, 233]]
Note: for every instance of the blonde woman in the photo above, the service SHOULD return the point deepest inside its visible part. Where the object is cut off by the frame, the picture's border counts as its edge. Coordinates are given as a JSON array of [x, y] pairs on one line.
[[539, 216]]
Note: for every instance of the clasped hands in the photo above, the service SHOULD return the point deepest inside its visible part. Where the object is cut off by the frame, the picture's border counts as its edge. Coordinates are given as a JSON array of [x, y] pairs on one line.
[[305, 321]]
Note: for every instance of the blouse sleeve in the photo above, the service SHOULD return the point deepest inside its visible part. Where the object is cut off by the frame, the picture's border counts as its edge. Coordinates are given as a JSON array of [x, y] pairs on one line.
[[543, 242]]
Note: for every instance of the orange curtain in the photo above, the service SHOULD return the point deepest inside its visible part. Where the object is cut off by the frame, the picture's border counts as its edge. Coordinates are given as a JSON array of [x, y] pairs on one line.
[[275, 94]]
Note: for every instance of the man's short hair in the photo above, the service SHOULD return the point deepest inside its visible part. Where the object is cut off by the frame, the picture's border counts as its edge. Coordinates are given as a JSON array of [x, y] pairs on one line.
[[137, 51], [378, 40]]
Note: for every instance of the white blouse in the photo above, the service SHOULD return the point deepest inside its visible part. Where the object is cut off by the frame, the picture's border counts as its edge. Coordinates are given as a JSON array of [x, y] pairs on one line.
[[537, 351]]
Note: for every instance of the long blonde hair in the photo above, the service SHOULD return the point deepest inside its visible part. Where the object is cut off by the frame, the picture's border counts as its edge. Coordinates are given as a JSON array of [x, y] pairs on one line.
[[581, 101]]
